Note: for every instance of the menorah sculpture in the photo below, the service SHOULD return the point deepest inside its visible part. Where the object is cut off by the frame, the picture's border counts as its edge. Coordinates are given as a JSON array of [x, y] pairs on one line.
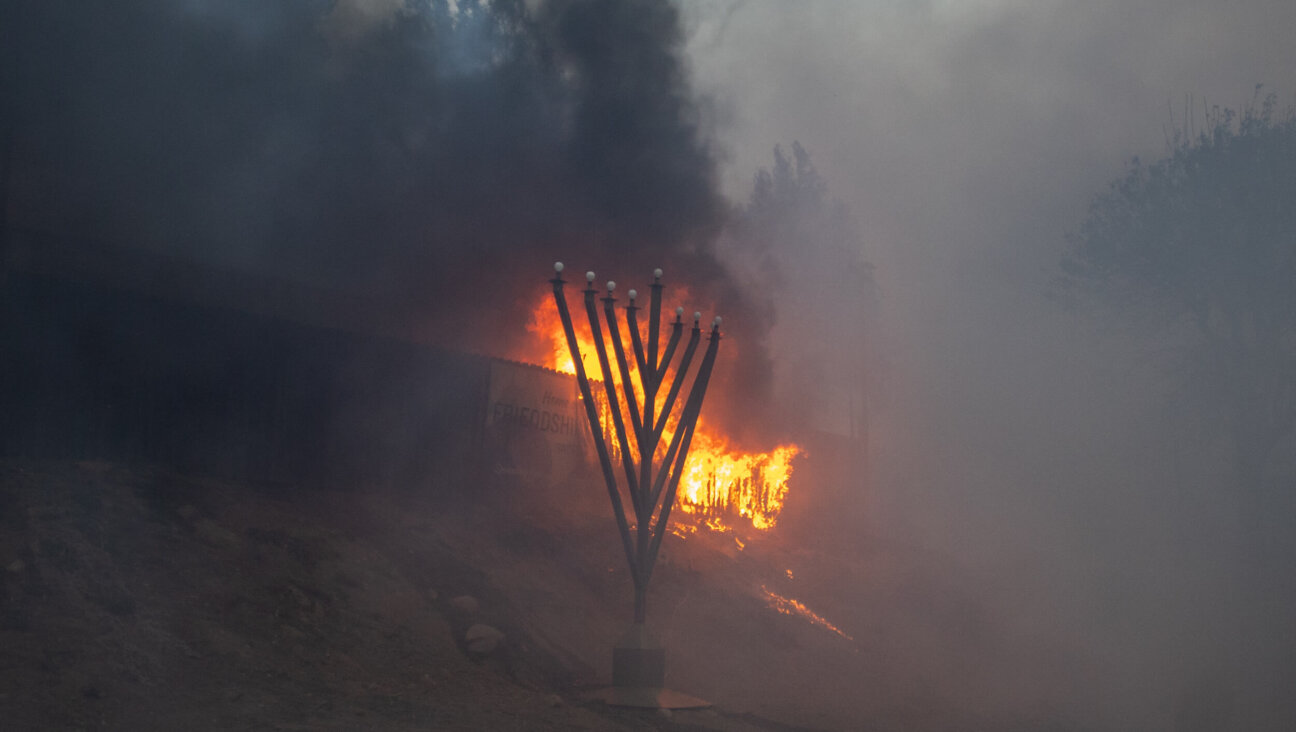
[[638, 661]]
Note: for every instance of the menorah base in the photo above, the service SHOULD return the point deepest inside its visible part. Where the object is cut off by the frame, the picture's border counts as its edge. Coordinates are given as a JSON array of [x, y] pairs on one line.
[[639, 675], [638, 659]]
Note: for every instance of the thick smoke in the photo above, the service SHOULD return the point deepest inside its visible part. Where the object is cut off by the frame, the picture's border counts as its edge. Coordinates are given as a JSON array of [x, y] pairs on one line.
[[432, 157], [1040, 457]]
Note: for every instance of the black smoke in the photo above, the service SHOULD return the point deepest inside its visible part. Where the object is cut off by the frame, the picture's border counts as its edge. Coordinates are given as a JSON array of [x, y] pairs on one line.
[[433, 157]]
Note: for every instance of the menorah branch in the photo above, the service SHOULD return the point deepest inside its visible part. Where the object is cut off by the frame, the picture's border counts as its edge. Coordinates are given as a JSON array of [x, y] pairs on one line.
[[627, 386], [591, 413], [609, 388], [694, 338], [688, 422]]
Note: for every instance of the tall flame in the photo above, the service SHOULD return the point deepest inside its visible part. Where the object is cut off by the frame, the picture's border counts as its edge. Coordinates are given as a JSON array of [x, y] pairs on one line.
[[718, 481], [721, 487]]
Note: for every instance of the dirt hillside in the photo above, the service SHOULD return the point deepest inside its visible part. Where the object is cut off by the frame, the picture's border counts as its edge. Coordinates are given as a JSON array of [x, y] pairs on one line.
[[139, 598]]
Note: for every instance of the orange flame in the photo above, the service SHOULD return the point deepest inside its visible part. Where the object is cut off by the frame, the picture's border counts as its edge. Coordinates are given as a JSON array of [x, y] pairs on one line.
[[720, 486], [718, 480], [791, 606]]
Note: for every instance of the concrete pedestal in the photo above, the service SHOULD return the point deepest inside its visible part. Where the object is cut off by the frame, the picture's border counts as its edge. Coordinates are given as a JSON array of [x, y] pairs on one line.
[[638, 659], [639, 675]]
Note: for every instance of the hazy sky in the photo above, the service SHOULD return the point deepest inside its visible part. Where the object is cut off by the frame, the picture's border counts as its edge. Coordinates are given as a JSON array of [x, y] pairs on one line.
[[953, 128]]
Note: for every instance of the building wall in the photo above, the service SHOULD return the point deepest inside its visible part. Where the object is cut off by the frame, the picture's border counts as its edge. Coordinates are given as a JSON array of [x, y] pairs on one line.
[[95, 372]]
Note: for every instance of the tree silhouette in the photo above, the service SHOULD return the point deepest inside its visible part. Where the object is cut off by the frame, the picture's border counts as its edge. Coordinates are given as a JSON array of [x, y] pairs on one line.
[[1204, 242], [808, 250]]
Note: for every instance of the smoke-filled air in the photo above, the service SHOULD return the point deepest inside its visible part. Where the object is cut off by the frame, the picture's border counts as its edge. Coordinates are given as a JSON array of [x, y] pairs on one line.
[[311, 417]]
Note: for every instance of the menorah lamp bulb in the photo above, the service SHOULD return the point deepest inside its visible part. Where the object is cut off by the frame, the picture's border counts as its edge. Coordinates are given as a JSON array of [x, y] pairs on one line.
[[558, 267], [716, 323], [633, 294], [679, 311], [611, 285], [696, 317], [589, 276], [657, 273]]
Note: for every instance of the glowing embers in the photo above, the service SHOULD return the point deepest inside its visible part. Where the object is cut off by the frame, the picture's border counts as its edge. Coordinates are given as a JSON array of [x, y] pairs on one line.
[[721, 488], [789, 606], [683, 531]]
